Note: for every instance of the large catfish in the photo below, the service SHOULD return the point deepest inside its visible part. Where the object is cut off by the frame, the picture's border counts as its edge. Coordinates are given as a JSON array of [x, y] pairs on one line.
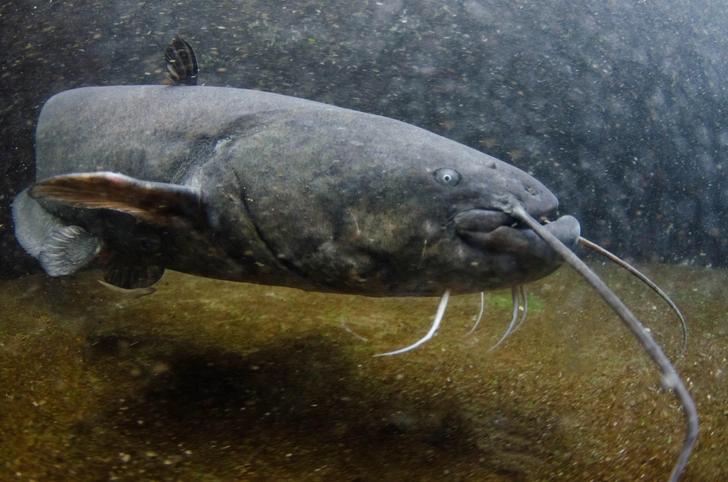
[[251, 186]]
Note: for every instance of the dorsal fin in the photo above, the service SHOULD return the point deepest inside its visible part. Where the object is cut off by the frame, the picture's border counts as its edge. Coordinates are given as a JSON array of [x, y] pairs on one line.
[[181, 61]]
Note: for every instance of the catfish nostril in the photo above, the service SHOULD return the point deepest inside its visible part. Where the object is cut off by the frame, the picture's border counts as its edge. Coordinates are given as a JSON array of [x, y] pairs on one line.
[[531, 190]]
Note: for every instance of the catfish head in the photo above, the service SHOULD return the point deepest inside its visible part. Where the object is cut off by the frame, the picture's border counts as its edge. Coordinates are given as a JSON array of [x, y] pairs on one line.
[[362, 204]]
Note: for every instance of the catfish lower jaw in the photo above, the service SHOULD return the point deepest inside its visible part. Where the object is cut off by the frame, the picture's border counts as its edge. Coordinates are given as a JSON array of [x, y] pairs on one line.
[[497, 232]]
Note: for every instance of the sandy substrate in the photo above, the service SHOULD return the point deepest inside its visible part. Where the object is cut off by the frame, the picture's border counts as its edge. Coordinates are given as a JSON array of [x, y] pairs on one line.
[[208, 380]]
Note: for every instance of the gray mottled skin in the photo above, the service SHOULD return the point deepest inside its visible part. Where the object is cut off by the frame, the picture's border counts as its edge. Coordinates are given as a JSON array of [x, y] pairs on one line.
[[294, 193]]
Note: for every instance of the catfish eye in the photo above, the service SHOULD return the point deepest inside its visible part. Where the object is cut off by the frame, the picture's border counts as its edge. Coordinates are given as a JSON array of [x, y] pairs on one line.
[[447, 177]]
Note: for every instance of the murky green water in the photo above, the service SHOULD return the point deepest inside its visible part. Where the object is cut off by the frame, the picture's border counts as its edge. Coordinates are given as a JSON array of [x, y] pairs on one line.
[[207, 380]]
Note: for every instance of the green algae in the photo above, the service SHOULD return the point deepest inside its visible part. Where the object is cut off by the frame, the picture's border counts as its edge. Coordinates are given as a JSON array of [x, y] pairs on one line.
[[504, 301], [207, 380]]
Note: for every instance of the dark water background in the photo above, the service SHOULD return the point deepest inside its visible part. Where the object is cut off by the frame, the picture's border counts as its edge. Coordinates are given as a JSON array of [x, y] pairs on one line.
[[619, 107]]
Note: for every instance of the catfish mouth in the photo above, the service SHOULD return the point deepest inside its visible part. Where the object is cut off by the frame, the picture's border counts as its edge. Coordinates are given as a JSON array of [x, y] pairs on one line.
[[496, 232]]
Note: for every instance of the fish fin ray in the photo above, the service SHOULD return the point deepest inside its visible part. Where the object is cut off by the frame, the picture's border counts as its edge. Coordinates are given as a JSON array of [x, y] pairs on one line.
[[33, 224], [67, 249], [129, 273], [154, 202]]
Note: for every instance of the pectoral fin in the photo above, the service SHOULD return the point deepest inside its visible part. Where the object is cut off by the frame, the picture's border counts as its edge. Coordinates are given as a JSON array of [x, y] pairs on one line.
[[153, 202], [63, 247], [129, 272]]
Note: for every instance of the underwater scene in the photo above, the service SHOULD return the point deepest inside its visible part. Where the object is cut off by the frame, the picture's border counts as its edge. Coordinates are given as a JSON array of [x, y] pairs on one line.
[[355, 241]]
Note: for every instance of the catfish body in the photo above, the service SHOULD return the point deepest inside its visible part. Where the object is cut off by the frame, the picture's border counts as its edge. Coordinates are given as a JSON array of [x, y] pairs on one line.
[[258, 187]]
